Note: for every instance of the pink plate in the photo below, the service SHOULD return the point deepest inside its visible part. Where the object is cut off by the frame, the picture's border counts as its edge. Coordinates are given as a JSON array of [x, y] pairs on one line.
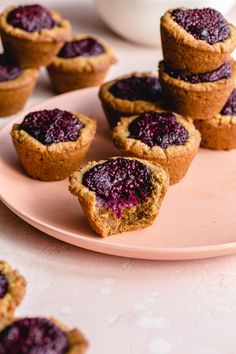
[[197, 218]]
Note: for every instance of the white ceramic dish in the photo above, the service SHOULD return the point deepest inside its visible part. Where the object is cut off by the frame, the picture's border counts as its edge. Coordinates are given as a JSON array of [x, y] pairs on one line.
[[138, 20]]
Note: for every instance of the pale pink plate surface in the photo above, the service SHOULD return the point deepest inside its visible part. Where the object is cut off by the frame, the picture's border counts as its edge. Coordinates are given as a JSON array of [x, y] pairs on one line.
[[197, 218]]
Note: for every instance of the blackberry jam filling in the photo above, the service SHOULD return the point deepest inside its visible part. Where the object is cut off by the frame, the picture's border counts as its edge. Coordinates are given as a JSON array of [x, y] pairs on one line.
[[223, 72], [137, 88], [8, 71], [31, 18], [52, 126], [119, 183], [33, 335], [206, 24], [3, 285], [86, 47], [158, 129], [230, 106]]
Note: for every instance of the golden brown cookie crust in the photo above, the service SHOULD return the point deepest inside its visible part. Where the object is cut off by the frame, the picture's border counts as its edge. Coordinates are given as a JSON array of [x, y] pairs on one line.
[[175, 159], [218, 133], [102, 220], [121, 105], [56, 161], [14, 295], [15, 93], [78, 344], [182, 51], [198, 101], [79, 72], [33, 49]]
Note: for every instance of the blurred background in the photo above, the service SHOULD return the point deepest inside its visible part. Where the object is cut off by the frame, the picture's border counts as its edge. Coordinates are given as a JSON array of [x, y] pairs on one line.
[[134, 20]]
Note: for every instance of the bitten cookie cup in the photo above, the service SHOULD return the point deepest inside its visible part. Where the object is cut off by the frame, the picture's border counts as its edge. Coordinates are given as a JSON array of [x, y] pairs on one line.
[[58, 336], [15, 93], [182, 51], [11, 296], [102, 219], [114, 107], [198, 101], [78, 72], [33, 49], [175, 159], [218, 133], [56, 161]]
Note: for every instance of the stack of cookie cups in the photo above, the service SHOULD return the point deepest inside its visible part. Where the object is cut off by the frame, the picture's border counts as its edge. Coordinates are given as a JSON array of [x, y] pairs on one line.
[[198, 74]]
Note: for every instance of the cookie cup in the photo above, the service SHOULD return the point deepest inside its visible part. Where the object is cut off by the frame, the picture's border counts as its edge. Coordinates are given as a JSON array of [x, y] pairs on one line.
[[197, 101], [56, 161], [33, 49], [15, 93], [175, 159], [69, 74], [77, 342], [182, 51], [114, 108], [218, 133], [102, 220], [14, 295]]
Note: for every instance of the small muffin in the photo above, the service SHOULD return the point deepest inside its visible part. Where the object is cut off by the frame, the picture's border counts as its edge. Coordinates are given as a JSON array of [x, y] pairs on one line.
[[16, 85], [41, 335], [12, 290], [199, 96], [130, 94], [32, 35], [219, 133], [51, 144], [161, 137], [82, 62], [197, 40], [120, 194]]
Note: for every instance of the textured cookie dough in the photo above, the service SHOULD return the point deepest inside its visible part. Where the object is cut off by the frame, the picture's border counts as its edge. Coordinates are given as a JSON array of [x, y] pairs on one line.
[[175, 159], [14, 294], [182, 51], [79, 72], [197, 101], [56, 161], [103, 221], [33, 49]]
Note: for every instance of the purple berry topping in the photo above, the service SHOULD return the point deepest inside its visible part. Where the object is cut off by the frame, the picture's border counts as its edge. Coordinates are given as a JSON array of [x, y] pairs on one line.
[[158, 129], [8, 71], [52, 126], [33, 336], [137, 88], [119, 183], [230, 106], [86, 47], [223, 72], [31, 18], [3, 285], [206, 24]]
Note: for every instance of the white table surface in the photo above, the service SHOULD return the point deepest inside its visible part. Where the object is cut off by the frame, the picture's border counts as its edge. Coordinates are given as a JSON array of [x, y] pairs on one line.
[[122, 305]]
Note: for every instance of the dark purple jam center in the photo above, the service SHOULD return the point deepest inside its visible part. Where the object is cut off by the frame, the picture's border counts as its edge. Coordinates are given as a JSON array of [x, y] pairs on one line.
[[52, 126], [33, 336], [206, 24], [86, 47], [230, 106], [3, 285], [119, 183], [31, 18], [223, 72], [137, 88], [8, 71], [158, 129]]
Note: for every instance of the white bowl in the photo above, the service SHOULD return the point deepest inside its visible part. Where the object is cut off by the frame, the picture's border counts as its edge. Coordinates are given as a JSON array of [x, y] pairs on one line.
[[138, 20]]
